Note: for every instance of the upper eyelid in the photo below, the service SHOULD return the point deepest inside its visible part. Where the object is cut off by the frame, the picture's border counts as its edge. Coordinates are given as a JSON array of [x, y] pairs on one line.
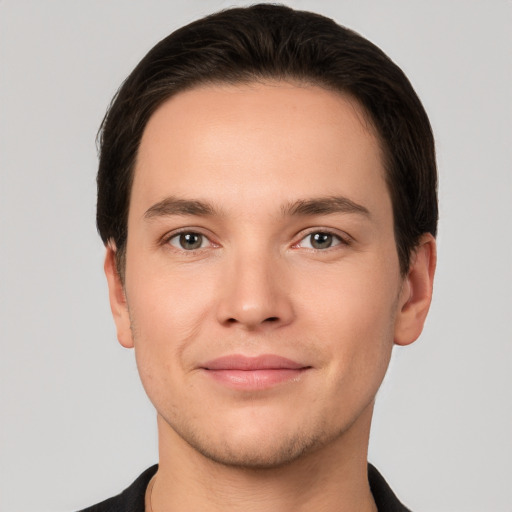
[[175, 232], [342, 235]]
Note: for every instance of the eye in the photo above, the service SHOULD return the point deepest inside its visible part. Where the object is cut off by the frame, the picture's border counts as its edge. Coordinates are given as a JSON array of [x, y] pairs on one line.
[[189, 241], [319, 240]]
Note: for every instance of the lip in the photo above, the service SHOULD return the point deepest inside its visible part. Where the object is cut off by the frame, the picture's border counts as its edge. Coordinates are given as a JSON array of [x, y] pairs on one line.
[[253, 373]]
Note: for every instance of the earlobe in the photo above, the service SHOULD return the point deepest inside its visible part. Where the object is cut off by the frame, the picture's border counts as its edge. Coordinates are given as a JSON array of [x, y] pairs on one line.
[[416, 294], [117, 299]]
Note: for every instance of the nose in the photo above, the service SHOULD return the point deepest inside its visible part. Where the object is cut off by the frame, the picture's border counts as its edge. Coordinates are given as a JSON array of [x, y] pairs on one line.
[[255, 293]]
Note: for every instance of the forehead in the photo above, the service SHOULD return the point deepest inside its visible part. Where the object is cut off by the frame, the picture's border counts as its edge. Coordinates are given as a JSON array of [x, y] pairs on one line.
[[257, 139]]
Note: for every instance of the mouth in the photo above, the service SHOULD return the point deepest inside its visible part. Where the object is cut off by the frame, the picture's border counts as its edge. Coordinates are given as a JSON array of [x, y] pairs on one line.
[[253, 373]]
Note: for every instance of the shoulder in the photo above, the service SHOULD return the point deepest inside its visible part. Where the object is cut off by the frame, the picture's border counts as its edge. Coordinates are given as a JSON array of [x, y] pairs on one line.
[[130, 500], [384, 497]]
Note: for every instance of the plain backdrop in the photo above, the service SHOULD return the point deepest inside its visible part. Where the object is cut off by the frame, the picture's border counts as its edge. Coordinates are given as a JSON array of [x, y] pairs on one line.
[[75, 424]]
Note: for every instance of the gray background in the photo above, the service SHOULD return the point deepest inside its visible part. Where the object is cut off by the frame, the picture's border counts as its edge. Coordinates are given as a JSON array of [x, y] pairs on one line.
[[76, 426]]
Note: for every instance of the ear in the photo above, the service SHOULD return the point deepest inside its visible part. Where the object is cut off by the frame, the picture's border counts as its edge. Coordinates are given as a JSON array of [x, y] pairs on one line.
[[416, 292], [117, 298]]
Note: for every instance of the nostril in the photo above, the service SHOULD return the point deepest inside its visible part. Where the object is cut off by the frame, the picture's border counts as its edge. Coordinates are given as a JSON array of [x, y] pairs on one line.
[[270, 319]]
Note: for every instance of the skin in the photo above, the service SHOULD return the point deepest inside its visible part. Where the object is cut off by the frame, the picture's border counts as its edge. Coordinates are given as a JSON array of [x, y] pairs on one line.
[[257, 284]]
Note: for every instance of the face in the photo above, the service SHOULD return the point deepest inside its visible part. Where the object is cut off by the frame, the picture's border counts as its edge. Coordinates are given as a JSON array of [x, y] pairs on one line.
[[262, 289]]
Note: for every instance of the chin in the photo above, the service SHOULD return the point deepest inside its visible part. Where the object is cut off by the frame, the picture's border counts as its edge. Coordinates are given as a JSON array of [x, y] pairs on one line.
[[253, 448], [257, 455]]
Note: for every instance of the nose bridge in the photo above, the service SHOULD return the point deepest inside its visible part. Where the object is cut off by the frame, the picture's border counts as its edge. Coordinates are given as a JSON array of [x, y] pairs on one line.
[[255, 291]]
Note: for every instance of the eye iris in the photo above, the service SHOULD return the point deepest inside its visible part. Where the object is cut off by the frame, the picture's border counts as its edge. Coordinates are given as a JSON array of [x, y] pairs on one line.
[[191, 240], [321, 240]]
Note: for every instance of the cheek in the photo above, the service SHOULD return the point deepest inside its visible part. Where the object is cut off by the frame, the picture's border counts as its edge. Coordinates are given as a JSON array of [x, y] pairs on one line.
[[353, 314], [168, 313], [355, 296], [166, 318], [167, 298]]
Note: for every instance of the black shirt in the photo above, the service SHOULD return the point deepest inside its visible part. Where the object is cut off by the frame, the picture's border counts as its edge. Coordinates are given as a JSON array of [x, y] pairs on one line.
[[132, 498]]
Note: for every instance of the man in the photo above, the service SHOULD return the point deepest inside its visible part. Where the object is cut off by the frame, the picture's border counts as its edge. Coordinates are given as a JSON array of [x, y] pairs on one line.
[[267, 197]]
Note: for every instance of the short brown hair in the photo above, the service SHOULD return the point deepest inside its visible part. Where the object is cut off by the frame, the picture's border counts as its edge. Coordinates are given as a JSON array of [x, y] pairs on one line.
[[264, 42]]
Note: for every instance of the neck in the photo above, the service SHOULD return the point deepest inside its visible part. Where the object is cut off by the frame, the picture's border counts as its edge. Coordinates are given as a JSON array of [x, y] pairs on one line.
[[332, 478]]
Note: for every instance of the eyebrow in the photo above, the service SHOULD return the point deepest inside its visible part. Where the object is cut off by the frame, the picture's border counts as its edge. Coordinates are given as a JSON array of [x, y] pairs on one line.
[[302, 207], [324, 206], [174, 206]]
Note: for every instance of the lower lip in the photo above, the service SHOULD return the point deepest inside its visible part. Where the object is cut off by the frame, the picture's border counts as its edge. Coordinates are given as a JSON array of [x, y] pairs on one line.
[[255, 379]]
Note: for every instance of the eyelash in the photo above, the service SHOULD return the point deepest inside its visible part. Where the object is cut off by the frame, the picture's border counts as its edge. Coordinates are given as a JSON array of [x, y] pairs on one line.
[[340, 240], [167, 240]]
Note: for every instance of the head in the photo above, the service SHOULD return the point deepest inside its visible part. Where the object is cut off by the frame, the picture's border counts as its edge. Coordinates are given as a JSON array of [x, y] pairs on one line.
[[267, 198], [269, 42]]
